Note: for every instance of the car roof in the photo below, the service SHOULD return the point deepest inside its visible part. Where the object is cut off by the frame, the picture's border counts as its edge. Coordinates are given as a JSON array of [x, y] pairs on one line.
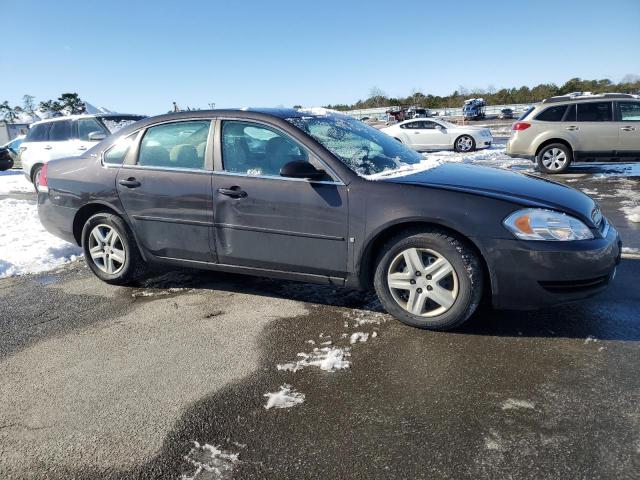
[[87, 115], [586, 96]]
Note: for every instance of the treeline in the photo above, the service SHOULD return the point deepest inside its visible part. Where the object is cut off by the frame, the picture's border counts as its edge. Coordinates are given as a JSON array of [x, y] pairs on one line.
[[377, 98], [66, 104]]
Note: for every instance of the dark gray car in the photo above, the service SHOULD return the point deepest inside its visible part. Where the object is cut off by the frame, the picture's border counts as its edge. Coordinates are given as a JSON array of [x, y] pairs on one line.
[[321, 197]]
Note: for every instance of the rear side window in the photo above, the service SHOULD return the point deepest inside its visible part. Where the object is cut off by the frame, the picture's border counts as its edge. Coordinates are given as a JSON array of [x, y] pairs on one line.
[[118, 151], [60, 131], [594, 112], [629, 111], [88, 125], [38, 133], [175, 145], [552, 114], [526, 113]]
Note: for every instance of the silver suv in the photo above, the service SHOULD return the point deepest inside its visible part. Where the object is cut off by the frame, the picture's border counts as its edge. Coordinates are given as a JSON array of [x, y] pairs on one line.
[[578, 127]]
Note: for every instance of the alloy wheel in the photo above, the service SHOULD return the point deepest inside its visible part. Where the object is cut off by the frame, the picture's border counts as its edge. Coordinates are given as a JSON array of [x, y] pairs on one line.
[[554, 159], [464, 143], [106, 249], [423, 282]]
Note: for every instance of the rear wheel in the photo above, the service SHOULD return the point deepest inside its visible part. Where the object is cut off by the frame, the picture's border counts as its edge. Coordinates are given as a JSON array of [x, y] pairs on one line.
[[35, 177], [110, 250], [554, 158], [464, 143], [429, 280]]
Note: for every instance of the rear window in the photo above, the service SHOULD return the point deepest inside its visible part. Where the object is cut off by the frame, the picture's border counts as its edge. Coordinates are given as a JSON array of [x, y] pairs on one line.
[[60, 131], [38, 133], [526, 113], [552, 114], [118, 151], [595, 112], [114, 123]]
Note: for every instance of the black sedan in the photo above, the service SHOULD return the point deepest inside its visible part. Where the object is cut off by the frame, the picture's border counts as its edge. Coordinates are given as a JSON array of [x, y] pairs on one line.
[[316, 196]]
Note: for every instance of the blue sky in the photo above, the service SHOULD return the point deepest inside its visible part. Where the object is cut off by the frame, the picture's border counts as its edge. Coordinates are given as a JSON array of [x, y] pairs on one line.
[[140, 56]]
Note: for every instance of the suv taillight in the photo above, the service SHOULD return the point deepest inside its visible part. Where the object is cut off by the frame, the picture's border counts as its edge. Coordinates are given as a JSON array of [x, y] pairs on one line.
[[518, 126], [43, 176]]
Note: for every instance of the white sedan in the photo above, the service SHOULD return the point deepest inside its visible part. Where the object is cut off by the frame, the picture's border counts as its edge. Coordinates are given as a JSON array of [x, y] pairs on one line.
[[430, 134]]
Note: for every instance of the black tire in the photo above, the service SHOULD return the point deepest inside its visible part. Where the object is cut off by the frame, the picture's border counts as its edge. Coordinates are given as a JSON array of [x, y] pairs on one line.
[[463, 259], [132, 268], [458, 149], [561, 146], [35, 176]]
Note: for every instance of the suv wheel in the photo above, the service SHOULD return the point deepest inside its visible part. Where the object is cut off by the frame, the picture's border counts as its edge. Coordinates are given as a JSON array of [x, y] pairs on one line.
[[429, 280], [464, 143], [554, 158], [110, 250]]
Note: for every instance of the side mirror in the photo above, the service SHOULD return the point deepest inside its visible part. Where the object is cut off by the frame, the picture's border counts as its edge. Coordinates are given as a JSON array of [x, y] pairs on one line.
[[96, 136], [302, 169]]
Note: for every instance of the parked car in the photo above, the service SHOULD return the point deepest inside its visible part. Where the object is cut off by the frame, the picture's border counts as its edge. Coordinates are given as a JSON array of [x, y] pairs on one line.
[[68, 136], [9, 153], [506, 113], [439, 134], [578, 128], [322, 197]]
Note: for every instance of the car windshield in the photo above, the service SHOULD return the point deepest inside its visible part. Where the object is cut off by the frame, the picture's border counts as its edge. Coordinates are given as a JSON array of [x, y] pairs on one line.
[[115, 123], [364, 149]]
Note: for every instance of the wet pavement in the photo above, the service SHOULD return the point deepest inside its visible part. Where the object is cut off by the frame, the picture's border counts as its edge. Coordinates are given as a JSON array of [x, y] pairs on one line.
[[111, 382]]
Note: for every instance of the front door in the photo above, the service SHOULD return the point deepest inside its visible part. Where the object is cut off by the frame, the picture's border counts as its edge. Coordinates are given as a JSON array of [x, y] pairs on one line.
[[263, 220], [166, 191], [629, 128], [431, 135], [86, 126]]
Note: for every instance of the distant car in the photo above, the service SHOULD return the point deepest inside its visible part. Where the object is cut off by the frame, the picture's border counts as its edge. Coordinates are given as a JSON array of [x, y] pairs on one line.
[[321, 197], [69, 136], [506, 113], [576, 128], [437, 134], [9, 153]]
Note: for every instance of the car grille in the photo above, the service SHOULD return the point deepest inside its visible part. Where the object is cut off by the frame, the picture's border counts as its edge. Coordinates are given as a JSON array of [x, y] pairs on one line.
[[573, 286]]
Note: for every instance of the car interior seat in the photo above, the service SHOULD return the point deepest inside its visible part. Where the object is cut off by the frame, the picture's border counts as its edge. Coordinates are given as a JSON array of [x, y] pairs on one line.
[[186, 156], [154, 155]]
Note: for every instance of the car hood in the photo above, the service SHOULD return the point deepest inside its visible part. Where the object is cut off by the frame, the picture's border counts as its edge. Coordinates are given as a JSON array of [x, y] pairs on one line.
[[523, 189]]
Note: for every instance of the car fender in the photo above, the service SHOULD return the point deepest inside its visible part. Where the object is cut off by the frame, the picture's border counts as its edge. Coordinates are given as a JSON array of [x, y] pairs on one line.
[[544, 136]]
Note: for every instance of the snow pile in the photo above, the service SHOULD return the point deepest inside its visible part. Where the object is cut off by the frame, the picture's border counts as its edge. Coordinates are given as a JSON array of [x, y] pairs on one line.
[[25, 246], [619, 170], [209, 462], [286, 397], [358, 337], [514, 404], [14, 181], [328, 359], [630, 206]]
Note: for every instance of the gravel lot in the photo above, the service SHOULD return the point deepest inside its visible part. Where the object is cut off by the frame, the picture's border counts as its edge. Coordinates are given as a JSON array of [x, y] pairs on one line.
[[111, 382]]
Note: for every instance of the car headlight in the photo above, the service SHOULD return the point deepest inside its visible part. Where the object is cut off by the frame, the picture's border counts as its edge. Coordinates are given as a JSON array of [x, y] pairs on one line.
[[539, 224]]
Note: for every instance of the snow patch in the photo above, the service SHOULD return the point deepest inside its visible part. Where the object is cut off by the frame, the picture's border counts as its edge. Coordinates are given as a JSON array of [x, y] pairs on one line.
[[493, 441], [590, 339], [25, 246], [329, 359], [14, 181], [286, 397], [515, 404], [209, 462], [359, 337]]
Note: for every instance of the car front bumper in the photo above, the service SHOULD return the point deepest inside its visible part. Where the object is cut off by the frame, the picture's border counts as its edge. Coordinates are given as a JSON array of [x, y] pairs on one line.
[[529, 275]]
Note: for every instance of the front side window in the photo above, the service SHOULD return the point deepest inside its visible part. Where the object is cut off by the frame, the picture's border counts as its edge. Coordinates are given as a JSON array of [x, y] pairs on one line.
[[118, 151], [362, 148], [252, 149], [552, 114], [39, 133], [629, 111], [594, 112], [60, 131], [87, 126], [175, 145]]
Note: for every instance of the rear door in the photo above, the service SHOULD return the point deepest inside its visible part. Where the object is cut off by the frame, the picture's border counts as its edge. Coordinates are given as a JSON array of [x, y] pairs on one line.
[[165, 188], [263, 220], [60, 142], [629, 129], [596, 132], [85, 126]]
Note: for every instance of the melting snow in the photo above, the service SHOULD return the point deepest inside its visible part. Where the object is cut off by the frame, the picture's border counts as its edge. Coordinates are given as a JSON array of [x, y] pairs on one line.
[[210, 462], [514, 404], [25, 246], [13, 181], [329, 359], [359, 337], [286, 397]]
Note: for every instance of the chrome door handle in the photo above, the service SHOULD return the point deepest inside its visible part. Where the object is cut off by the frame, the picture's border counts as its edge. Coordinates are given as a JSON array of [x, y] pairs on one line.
[[416, 133], [130, 182], [572, 128], [82, 148], [628, 129], [48, 147]]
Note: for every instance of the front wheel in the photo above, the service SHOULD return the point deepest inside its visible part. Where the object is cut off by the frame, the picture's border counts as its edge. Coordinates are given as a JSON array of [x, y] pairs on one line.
[[110, 250], [430, 280], [36, 174], [464, 143]]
